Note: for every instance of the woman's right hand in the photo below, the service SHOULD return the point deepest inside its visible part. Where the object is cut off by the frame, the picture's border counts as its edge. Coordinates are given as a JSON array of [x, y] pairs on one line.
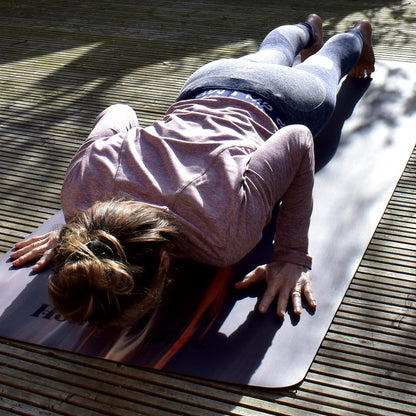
[[34, 248]]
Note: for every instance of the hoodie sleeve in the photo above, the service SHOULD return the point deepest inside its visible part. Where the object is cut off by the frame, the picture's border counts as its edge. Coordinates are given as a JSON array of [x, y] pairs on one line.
[[282, 171]]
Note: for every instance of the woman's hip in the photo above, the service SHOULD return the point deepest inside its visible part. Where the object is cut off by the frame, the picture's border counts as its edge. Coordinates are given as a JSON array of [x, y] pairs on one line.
[[299, 97]]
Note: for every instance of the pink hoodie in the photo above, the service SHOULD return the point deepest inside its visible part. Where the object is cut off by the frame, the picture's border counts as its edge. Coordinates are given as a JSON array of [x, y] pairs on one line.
[[219, 165]]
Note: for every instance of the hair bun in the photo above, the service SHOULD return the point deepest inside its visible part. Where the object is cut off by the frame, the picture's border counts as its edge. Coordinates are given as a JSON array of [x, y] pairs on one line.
[[100, 249]]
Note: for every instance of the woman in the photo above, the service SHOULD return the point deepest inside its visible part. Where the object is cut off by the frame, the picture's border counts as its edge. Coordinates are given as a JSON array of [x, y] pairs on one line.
[[203, 181]]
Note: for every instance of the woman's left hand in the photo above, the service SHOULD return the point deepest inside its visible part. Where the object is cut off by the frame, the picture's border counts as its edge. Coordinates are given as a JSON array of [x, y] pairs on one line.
[[284, 280]]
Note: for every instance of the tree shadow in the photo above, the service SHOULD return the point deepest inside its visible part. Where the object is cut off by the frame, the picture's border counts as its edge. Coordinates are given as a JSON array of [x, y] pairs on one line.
[[126, 39]]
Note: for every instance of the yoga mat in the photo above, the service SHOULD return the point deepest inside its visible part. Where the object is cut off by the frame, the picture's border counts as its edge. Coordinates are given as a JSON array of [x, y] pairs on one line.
[[208, 329]]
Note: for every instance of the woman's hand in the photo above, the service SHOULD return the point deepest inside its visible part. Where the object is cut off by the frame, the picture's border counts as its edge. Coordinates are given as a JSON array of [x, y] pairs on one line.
[[284, 280], [35, 248]]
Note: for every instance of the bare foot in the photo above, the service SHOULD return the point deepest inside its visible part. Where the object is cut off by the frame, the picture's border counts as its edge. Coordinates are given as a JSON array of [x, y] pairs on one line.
[[316, 23], [365, 65]]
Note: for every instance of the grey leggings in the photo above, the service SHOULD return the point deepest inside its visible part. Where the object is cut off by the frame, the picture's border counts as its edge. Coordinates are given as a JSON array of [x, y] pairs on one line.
[[302, 94]]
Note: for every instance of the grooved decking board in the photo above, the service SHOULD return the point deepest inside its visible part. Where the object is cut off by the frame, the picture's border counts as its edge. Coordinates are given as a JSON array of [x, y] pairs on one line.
[[61, 63]]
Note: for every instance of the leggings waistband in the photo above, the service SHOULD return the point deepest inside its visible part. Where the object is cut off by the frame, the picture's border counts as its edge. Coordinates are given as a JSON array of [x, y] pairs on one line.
[[249, 97]]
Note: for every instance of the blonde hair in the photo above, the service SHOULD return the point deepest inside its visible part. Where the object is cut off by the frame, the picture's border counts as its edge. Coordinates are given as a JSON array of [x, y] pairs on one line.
[[123, 276]]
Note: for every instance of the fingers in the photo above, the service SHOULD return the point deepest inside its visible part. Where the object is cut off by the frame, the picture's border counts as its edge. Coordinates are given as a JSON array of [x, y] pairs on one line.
[[297, 301], [307, 291], [46, 259], [285, 281], [268, 297], [34, 248], [304, 286], [26, 255], [31, 241], [256, 276], [282, 302]]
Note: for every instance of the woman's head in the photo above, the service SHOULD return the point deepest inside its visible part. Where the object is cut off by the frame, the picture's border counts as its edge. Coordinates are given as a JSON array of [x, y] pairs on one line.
[[111, 260]]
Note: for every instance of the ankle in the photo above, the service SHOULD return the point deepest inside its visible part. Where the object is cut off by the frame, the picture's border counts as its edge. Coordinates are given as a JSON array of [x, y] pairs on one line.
[[311, 32]]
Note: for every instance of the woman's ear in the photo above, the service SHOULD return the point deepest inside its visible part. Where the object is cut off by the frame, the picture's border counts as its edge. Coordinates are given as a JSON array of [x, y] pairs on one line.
[[164, 261]]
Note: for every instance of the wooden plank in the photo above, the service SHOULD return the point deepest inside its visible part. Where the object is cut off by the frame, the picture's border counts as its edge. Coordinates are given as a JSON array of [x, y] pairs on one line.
[[60, 66], [127, 383], [363, 397]]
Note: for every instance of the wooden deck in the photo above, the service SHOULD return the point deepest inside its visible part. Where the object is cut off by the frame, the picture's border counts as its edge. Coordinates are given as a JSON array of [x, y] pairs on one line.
[[61, 63]]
